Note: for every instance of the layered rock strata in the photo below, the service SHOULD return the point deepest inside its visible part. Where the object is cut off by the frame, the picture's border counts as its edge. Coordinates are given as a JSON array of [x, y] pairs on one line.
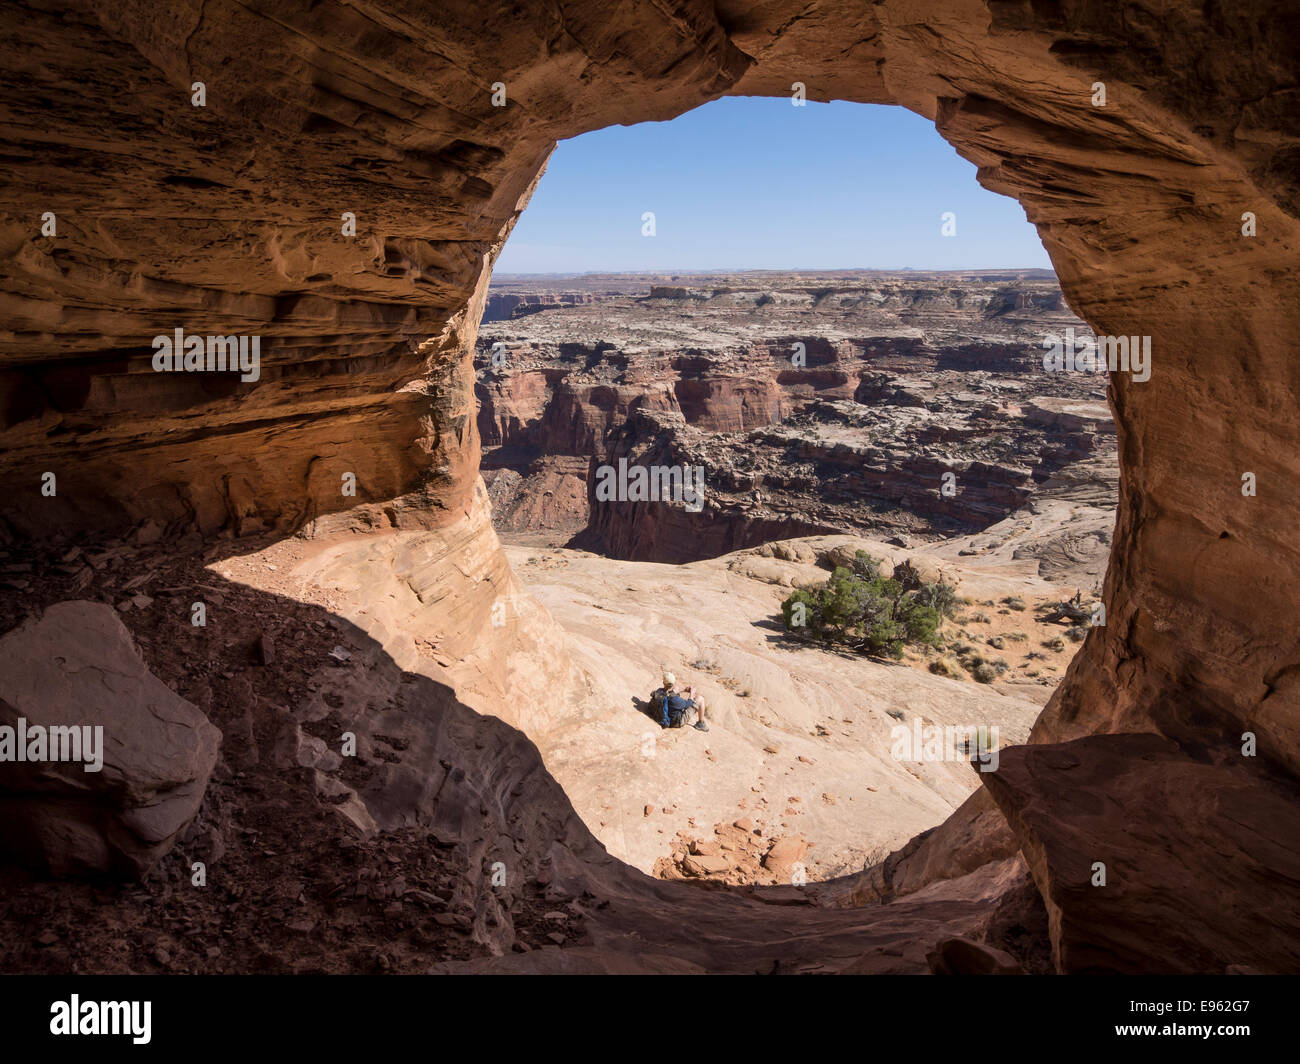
[[1171, 210], [892, 384]]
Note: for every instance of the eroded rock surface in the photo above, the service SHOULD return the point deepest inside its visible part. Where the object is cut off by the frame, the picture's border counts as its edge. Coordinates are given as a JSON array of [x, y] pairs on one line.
[[225, 220], [1138, 849], [807, 402]]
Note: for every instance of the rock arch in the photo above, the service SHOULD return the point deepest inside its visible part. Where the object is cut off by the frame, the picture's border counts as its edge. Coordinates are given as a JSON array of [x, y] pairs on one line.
[[226, 218]]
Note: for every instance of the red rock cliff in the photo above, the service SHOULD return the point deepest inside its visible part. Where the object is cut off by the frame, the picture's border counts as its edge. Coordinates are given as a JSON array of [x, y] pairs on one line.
[[226, 219]]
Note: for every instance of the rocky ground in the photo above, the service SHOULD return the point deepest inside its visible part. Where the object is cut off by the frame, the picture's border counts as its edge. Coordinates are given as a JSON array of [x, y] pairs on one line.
[[385, 862], [299, 878]]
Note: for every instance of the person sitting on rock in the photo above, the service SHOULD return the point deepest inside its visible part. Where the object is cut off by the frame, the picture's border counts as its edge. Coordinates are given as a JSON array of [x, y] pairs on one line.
[[673, 709]]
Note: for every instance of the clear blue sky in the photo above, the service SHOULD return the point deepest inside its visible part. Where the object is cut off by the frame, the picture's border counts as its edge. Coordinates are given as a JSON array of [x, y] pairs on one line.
[[756, 183]]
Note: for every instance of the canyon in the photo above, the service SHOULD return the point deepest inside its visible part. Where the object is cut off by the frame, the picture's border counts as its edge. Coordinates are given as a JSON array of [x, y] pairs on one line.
[[848, 426], [820, 413], [1169, 751]]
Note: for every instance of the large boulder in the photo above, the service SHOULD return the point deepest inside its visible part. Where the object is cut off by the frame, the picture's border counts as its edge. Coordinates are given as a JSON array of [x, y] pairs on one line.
[[76, 666], [1154, 859], [958, 955]]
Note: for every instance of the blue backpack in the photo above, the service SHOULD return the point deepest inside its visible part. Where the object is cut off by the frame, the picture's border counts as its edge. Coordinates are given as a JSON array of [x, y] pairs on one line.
[[671, 706]]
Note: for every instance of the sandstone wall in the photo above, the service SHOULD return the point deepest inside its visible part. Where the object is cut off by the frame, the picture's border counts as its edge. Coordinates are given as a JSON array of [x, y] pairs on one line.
[[226, 219]]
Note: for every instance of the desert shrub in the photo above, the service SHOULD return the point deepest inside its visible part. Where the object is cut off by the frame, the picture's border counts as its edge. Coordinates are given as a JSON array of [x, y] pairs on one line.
[[1077, 634], [860, 609], [985, 673], [907, 576], [939, 597], [1055, 643], [920, 621], [948, 666], [1015, 602]]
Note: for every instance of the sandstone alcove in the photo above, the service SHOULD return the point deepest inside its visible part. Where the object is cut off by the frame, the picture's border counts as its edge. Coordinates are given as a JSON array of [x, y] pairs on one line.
[[1171, 211], [816, 400]]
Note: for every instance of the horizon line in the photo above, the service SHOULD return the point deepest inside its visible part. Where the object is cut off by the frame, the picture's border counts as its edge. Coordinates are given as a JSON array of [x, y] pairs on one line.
[[774, 269]]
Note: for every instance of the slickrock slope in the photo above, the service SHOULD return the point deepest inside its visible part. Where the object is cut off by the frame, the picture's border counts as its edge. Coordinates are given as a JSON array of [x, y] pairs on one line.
[[443, 603], [226, 219], [443, 838], [800, 739]]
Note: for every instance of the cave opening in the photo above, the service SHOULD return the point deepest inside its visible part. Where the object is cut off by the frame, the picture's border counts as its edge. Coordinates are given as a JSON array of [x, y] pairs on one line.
[[851, 375], [1166, 195]]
